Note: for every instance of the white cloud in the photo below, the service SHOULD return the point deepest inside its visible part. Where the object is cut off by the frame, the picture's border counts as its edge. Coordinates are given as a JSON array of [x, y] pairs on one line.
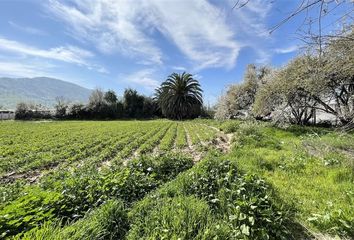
[[179, 68], [289, 49], [197, 28], [27, 29], [144, 77], [114, 26], [69, 54], [207, 34], [18, 69]]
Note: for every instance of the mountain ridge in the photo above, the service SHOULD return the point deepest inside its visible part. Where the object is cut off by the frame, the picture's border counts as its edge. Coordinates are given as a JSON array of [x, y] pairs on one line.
[[39, 90]]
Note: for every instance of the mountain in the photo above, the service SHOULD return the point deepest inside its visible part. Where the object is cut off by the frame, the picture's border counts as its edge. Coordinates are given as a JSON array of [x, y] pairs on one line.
[[39, 90]]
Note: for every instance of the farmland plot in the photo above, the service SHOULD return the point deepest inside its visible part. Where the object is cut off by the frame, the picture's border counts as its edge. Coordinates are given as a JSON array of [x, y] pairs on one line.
[[38, 146], [76, 165]]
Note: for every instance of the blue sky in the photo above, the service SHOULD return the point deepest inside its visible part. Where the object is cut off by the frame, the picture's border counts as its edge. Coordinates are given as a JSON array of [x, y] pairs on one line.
[[115, 44]]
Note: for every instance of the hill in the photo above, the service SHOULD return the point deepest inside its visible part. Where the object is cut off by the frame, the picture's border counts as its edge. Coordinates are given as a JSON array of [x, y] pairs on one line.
[[41, 90]]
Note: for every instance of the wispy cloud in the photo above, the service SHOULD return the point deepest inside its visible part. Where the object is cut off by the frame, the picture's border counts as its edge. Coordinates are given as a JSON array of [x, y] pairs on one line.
[[207, 33], [114, 26], [27, 29], [19, 69], [289, 49], [250, 24], [69, 54], [179, 68], [202, 35], [129, 27], [144, 77]]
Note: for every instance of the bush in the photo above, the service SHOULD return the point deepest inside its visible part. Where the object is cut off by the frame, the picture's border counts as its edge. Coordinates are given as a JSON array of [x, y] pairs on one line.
[[30, 112], [109, 221], [242, 206], [27, 211], [252, 135], [170, 218], [230, 126], [70, 195]]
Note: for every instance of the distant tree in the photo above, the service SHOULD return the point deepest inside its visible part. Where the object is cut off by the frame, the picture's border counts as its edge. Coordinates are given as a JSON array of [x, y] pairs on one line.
[[335, 78], [222, 107], [133, 104], [29, 111], [313, 82], [110, 97], [78, 111], [150, 108], [96, 100], [22, 111], [61, 107], [97, 104], [180, 96]]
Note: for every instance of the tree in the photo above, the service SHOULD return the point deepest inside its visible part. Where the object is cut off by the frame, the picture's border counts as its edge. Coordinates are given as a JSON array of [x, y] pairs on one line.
[[22, 111], [61, 107], [180, 96], [78, 111], [287, 93], [337, 78], [97, 105], [239, 98], [110, 97], [133, 104]]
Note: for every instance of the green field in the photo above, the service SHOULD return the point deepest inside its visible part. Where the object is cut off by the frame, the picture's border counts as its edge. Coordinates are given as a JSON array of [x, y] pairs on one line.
[[162, 179]]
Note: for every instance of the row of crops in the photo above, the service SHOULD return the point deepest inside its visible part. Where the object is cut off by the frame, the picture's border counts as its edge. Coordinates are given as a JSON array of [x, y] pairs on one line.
[[84, 164], [42, 146], [140, 180]]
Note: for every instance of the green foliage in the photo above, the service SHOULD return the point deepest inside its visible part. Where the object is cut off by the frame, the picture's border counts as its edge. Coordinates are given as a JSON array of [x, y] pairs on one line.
[[27, 211], [170, 218], [180, 96], [311, 170], [230, 126], [69, 195], [241, 206], [252, 134], [110, 221]]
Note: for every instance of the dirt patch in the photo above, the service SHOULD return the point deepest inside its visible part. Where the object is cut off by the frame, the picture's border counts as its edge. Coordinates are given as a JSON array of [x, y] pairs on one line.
[[31, 176]]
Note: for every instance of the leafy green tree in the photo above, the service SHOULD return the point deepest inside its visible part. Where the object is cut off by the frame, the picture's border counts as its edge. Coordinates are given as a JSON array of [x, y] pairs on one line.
[[180, 96], [110, 97], [133, 104]]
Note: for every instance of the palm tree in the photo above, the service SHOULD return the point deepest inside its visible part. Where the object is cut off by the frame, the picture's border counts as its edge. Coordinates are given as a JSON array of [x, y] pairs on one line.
[[180, 96]]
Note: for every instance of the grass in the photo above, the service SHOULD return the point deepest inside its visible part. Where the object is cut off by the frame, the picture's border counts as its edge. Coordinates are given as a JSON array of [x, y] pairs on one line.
[[311, 169], [273, 184]]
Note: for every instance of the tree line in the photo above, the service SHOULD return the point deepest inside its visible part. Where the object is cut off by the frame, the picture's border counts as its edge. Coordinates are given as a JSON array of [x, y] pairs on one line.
[[311, 83], [179, 97]]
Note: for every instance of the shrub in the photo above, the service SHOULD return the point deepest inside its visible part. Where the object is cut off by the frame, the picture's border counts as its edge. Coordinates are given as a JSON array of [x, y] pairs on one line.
[[109, 221], [27, 211], [170, 218], [252, 135], [230, 126], [70, 195], [242, 206]]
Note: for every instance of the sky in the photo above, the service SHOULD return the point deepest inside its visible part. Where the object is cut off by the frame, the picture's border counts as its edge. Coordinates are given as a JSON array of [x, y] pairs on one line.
[[117, 44]]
